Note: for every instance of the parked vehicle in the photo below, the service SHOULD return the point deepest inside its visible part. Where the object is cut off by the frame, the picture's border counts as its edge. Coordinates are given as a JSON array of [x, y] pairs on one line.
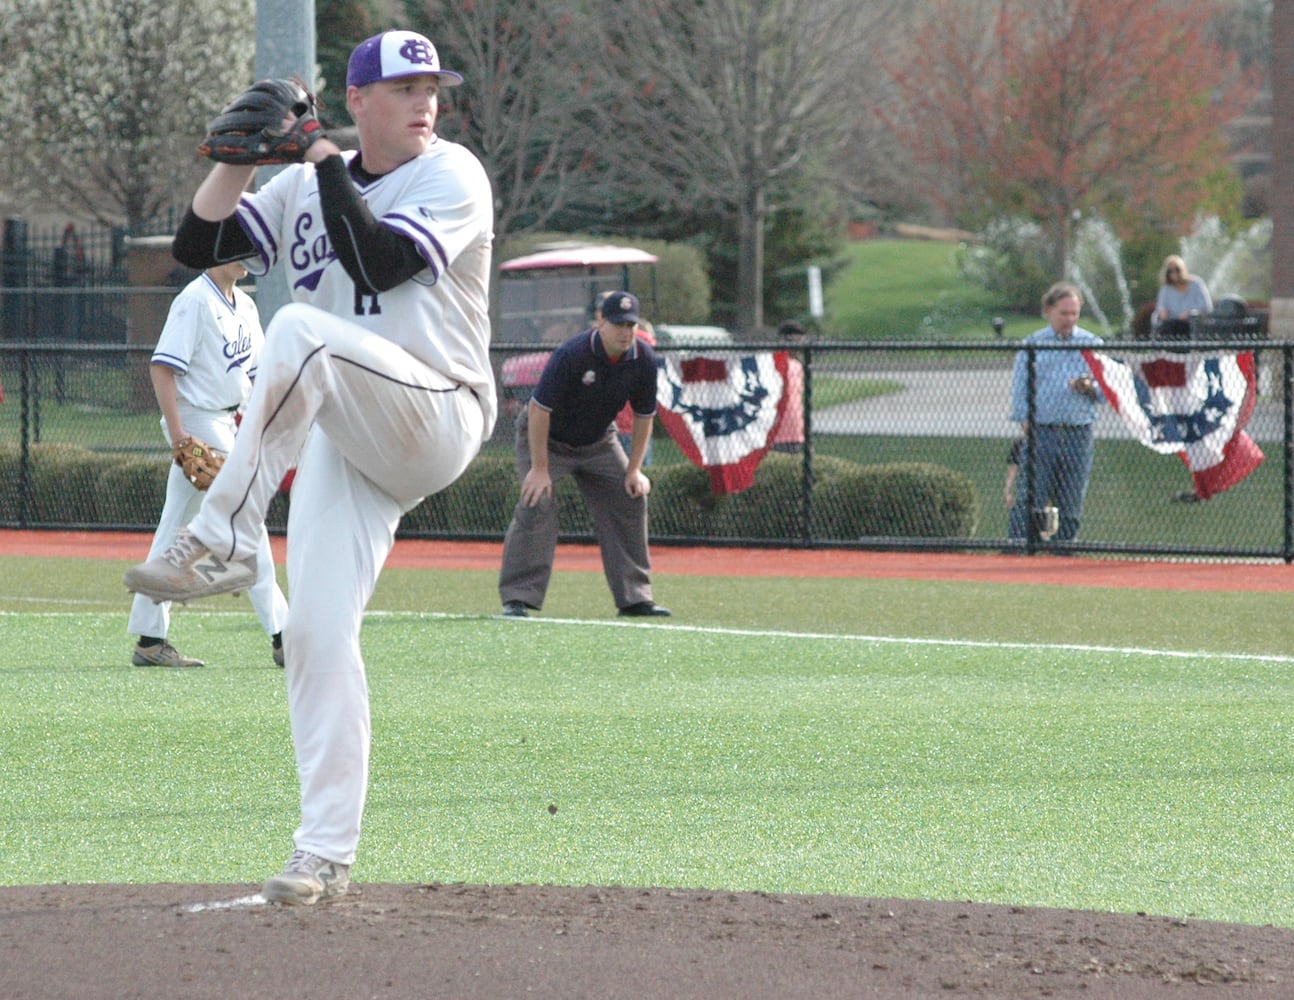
[[549, 295]]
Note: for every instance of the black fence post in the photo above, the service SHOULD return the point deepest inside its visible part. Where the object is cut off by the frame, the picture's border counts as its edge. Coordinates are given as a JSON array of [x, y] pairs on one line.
[[1287, 370], [807, 487], [24, 434], [15, 260], [1033, 540]]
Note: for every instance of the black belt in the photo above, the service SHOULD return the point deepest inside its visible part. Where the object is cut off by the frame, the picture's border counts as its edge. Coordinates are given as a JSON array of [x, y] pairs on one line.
[[231, 409], [1066, 427]]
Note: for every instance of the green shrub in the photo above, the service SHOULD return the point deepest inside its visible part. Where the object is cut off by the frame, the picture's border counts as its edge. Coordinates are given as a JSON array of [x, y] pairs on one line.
[[276, 518], [572, 515], [900, 500], [130, 492], [62, 477], [10, 471], [850, 501], [1014, 263], [480, 501], [681, 289], [71, 485], [683, 505], [680, 503]]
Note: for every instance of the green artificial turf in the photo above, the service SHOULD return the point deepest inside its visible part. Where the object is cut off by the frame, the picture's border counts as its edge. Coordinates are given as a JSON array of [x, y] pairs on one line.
[[1040, 746]]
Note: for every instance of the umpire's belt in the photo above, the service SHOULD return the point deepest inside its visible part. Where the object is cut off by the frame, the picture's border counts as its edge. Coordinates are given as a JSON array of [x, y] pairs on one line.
[[1066, 427]]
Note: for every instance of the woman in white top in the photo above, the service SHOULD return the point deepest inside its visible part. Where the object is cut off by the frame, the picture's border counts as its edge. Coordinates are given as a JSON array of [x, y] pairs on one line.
[[1182, 295]]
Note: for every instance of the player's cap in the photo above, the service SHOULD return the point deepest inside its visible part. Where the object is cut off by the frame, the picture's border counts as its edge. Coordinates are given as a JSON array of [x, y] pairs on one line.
[[620, 307], [394, 54]]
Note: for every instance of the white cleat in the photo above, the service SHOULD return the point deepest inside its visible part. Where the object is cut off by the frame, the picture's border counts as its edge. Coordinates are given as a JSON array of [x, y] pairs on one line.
[[189, 570]]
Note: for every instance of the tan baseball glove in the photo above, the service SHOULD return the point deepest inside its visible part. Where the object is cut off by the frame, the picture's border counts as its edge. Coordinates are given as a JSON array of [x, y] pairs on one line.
[[198, 459]]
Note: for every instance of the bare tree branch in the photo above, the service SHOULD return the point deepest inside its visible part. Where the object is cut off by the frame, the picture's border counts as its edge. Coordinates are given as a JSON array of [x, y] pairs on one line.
[[525, 105], [727, 99]]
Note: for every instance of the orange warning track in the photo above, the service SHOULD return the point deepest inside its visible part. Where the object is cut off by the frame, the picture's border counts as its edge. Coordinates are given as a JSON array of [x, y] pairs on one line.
[[720, 561]]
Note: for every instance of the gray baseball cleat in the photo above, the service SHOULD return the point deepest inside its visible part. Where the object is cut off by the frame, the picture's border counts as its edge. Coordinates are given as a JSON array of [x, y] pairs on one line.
[[306, 879], [189, 570], [162, 655]]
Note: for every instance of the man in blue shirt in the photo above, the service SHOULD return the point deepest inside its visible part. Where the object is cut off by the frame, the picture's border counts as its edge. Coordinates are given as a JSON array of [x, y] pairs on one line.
[[568, 428], [1065, 398]]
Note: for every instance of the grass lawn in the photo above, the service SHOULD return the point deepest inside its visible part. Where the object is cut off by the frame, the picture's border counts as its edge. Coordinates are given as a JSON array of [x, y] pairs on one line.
[[912, 290]]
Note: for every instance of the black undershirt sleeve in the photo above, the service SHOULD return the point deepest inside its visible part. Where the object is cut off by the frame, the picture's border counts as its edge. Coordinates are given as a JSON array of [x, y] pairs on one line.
[[201, 244], [376, 258]]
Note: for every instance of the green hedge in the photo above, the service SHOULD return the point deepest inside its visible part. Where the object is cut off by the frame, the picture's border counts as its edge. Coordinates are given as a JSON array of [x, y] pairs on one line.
[[478, 503], [72, 485], [62, 483], [850, 502], [902, 500], [131, 491]]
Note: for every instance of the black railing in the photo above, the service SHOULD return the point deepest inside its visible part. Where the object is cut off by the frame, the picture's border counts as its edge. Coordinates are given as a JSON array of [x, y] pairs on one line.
[[66, 283], [942, 404]]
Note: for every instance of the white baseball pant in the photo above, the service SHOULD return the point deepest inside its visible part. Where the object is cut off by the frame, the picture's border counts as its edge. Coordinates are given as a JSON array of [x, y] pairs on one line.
[[372, 430]]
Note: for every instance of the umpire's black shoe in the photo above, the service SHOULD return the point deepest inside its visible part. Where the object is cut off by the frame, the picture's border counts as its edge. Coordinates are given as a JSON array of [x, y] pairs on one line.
[[644, 609], [515, 609]]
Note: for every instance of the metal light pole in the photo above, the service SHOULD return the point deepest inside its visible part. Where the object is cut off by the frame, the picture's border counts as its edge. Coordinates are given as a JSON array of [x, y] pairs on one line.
[[1281, 319], [285, 47]]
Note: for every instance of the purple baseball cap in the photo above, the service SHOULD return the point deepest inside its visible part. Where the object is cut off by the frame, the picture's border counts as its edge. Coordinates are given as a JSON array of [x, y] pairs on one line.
[[394, 54]]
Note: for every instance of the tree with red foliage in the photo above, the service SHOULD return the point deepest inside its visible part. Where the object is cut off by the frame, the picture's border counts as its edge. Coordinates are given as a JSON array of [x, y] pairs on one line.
[[1051, 109]]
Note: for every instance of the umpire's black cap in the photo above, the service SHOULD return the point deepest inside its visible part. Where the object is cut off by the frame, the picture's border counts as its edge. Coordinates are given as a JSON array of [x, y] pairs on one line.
[[620, 307]]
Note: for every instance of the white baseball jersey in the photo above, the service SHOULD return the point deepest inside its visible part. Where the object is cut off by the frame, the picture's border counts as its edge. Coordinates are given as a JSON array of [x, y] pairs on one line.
[[213, 343], [441, 200]]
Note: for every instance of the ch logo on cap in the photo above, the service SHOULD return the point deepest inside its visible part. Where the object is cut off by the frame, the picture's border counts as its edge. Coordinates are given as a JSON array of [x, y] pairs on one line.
[[417, 50]]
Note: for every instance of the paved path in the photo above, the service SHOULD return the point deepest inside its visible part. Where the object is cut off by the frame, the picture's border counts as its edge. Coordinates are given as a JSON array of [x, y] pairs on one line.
[[972, 403]]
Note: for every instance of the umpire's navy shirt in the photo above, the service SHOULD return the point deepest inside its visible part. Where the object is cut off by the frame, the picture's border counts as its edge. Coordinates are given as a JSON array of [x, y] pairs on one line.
[[583, 389]]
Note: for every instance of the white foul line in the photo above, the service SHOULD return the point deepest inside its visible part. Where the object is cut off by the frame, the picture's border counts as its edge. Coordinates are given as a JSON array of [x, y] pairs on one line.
[[241, 903]]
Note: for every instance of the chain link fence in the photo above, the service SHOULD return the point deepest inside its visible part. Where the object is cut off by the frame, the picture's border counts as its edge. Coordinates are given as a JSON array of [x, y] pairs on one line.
[[81, 446]]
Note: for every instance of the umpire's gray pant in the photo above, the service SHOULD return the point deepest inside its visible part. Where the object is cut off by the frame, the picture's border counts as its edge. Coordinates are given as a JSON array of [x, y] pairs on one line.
[[619, 522]]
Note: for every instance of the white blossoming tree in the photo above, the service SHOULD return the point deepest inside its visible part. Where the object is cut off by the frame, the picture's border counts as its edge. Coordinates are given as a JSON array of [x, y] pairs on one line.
[[102, 102]]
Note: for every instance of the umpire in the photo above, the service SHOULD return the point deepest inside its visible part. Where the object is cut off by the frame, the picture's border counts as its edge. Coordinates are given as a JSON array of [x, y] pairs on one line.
[[568, 428]]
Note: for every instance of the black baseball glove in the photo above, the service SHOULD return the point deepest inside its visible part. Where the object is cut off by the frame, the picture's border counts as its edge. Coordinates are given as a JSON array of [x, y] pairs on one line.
[[250, 130]]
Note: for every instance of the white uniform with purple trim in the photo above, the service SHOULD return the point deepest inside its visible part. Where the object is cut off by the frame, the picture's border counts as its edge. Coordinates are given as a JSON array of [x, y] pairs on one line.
[[213, 345], [436, 316], [397, 395]]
